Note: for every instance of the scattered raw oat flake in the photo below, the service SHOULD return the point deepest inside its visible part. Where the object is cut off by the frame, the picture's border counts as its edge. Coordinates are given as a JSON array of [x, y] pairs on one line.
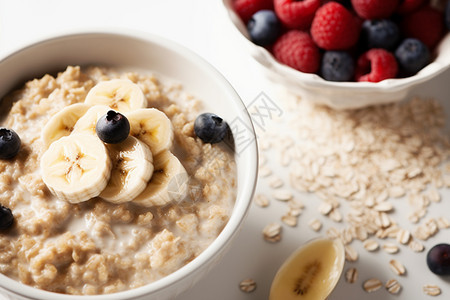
[[262, 200], [315, 224], [371, 245], [283, 195], [372, 285], [390, 248], [397, 267], [272, 232], [351, 275], [289, 220], [393, 286], [247, 285], [350, 253], [431, 290]]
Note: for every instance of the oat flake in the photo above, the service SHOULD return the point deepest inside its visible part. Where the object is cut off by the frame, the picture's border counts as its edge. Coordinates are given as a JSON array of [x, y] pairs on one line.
[[351, 275], [371, 245], [431, 290], [416, 246], [282, 195], [350, 253], [397, 267], [272, 232], [372, 285], [315, 224], [390, 248], [247, 285], [392, 286], [289, 220], [262, 200]]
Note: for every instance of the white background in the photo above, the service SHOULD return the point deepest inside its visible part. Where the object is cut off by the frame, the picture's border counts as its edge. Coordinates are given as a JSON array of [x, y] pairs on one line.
[[201, 26]]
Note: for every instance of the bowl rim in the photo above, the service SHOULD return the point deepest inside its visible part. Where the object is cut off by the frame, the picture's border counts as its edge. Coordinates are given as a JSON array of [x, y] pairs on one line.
[[265, 58], [245, 190]]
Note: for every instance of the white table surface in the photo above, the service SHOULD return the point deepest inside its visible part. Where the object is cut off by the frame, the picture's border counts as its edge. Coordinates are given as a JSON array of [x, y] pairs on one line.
[[200, 26]]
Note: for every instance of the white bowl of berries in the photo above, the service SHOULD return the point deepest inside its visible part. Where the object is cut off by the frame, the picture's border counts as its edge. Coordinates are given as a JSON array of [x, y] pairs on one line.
[[345, 54]]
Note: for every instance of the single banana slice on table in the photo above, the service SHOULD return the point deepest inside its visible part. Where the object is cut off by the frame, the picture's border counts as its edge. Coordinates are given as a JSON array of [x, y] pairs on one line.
[[153, 127], [311, 272], [76, 167], [62, 123], [169, 182], [122, 95], [132, 168], [86, 124]]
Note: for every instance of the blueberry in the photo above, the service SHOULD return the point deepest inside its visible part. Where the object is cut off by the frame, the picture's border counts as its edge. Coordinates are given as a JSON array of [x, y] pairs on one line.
[[264, 27], [113, 127], [6, 217], [412, 55], [210, 128], [438, 259], [380, 34], [337, 66], [447, 15], [9, 143]]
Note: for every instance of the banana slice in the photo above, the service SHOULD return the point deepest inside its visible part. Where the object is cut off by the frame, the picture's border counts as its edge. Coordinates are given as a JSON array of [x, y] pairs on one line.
[[119, 94], [153, 127], [169, 182], [132, 168], [86, 124], [62, 123], [76, 167], [311, 272]]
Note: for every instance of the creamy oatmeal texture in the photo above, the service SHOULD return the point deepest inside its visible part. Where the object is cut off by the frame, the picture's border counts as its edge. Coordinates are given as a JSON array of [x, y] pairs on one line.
[[97, 247]]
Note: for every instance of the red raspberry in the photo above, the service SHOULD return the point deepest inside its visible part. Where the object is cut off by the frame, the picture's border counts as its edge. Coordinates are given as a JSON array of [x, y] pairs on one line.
[[376, 65], [246, 8], [296, 14], [334, 27], [425, 24], [296, 49], [374, 9], [408, 6]]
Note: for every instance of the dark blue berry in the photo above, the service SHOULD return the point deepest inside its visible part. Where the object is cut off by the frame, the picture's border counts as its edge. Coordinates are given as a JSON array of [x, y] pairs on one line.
[[9, 143], [447, 15], [264, 27], [412, 55], [380, 34], [337, 66], [438, 259], [6, 218], [210, 128], [113, 127]]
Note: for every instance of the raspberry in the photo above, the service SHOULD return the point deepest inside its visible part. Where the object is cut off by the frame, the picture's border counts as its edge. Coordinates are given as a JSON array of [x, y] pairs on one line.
[[246, 8], [376, 65], [408, 6], [296, 14], [334, 27], [296, 49], [425, 24], [374, 9]]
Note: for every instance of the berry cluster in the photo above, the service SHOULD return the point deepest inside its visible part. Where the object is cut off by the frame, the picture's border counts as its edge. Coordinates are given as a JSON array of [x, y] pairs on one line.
[[347, 40]]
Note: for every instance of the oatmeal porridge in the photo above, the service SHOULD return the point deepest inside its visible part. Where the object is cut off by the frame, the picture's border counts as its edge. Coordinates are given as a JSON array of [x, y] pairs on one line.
[[80, 243]]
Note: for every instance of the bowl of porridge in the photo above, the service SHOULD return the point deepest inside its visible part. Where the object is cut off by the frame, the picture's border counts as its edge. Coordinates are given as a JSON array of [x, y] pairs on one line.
[[136, 167]]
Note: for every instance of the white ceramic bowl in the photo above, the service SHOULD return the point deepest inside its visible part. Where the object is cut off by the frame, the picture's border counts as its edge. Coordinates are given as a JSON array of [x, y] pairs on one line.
[[147, 52], [339, 95]]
